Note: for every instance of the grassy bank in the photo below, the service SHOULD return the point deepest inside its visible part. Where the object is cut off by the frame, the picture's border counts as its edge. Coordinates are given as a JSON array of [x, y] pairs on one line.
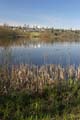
[[46, 34], [7, 33], [27, 93], [60, 102]]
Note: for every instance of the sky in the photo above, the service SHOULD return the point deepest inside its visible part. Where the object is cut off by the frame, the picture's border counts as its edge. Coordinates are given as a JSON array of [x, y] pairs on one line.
[[51, 13]]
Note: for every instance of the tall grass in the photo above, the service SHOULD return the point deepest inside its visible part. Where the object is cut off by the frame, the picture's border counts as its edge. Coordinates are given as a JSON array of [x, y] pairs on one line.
[[60, 102], [27, 93]]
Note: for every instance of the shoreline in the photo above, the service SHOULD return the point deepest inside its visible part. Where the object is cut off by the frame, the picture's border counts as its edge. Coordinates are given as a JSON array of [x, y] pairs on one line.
[[48, 34]]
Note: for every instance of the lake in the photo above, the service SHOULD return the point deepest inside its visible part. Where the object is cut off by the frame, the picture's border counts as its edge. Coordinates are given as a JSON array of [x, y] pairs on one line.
[[39, 52]]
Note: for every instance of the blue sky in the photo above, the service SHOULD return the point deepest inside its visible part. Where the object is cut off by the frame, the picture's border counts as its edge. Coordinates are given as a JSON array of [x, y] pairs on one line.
[[53, 13]]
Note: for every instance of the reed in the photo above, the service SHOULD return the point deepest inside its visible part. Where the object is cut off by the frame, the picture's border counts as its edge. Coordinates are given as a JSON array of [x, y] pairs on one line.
[[35, 78]]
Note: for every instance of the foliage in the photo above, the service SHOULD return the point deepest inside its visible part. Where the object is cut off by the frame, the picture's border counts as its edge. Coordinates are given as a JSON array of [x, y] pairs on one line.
[[60, 100]]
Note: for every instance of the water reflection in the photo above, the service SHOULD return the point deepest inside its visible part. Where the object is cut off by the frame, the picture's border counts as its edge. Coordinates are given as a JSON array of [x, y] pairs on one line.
[[39, 52]]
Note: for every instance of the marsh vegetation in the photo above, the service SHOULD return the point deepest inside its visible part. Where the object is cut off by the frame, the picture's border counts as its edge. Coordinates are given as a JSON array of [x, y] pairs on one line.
[[39, 78], [60, 101]]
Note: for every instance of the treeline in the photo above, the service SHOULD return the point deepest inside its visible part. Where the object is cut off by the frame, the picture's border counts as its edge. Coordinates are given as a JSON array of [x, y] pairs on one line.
[[7, 32], [42, 33]]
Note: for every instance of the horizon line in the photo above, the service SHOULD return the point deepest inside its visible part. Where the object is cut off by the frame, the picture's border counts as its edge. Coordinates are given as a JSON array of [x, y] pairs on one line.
[[36, 25]]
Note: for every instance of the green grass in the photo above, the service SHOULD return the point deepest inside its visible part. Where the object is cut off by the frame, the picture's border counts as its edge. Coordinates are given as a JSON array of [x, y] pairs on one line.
[[61, 102]]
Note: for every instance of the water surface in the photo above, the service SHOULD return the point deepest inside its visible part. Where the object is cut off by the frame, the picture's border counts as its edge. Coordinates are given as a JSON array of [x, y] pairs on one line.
[[38, 52]]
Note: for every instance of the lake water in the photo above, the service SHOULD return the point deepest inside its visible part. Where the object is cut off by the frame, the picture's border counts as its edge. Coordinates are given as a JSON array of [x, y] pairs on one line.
[[38, 52]]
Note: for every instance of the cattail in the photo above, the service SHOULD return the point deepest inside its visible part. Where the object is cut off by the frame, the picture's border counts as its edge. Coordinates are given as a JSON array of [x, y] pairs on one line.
[[71, 72], [78, 73]]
